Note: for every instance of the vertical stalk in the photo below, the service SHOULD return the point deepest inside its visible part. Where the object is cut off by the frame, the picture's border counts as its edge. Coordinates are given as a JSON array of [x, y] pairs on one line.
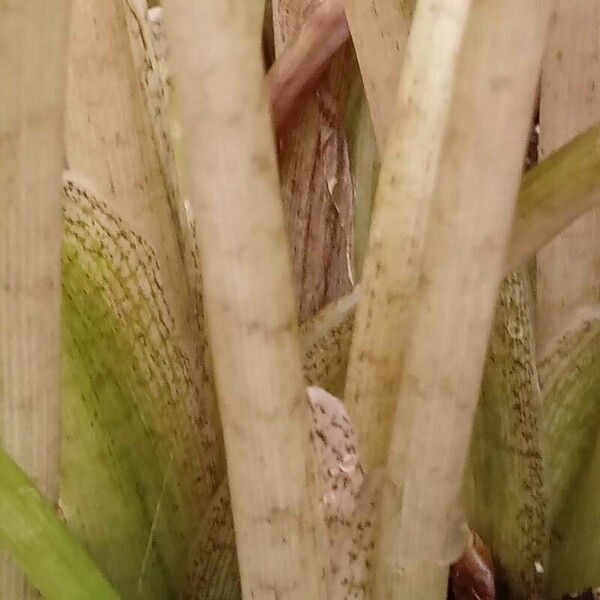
[[422, 527], [249, 300], [33, 44], [409, 168]]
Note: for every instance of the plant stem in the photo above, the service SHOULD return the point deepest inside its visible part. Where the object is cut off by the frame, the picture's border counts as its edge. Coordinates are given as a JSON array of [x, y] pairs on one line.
[[404, 193], [249, 301], [555, 193], [421, 525]]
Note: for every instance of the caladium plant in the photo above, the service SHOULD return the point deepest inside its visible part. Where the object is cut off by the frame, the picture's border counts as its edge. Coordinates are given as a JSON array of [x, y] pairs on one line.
[[182, 454]]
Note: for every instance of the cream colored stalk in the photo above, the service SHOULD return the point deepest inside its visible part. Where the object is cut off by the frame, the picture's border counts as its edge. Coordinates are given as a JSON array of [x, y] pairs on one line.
[[33, 44], [379, 32], [347, 507], [249, 301], [406, 184], [504, 484], [568, 269], [422, 523]]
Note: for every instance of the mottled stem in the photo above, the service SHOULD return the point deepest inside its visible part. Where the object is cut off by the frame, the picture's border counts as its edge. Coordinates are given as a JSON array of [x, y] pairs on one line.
[[298, 69]]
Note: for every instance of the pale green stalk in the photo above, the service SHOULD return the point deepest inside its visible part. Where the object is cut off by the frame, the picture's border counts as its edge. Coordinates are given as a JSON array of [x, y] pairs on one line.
[[555, 193]]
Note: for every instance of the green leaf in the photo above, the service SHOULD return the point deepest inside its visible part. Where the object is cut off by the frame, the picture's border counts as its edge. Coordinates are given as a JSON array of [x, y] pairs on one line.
[[136, 471], [38, 540]]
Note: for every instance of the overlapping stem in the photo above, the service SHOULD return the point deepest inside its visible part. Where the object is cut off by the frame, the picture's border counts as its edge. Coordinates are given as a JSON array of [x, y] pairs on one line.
[[248, 293], [405, 190], [475, 190]]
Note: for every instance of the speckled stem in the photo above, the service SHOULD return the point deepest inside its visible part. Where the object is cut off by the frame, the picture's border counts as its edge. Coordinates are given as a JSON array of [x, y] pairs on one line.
[[401, 208], [422, 525], [249, 302]]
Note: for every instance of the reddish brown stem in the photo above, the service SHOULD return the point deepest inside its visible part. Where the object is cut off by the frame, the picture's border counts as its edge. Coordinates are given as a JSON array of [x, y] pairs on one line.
[[472, 577], [298, 69]]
